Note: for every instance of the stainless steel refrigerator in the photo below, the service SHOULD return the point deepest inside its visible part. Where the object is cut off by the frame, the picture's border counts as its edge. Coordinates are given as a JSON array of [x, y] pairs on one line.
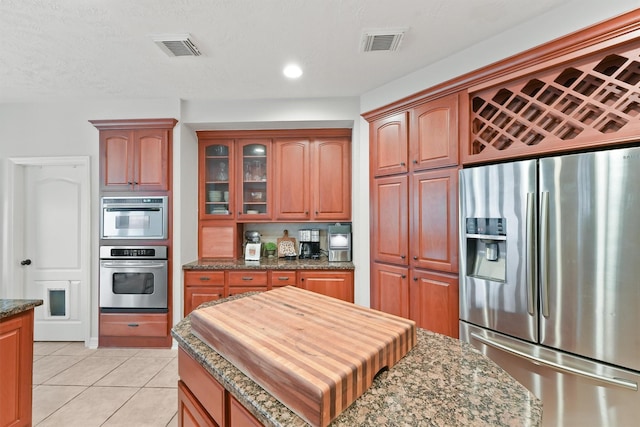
[[550, 280]]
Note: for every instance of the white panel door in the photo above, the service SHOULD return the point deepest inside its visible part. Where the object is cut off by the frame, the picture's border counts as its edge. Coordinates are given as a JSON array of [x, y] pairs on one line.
[[55, 259]]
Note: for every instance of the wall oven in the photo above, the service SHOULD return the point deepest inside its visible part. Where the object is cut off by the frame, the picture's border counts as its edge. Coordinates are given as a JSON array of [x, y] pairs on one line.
[[134, 217], [133, 278]]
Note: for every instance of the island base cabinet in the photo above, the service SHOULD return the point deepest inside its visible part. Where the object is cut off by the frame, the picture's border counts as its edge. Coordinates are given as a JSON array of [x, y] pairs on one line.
[[16, 367], [190, 412], [202, 401], [334, 284]]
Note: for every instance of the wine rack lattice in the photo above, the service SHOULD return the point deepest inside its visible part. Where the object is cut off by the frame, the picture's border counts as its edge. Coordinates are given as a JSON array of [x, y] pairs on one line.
[[582, 101]]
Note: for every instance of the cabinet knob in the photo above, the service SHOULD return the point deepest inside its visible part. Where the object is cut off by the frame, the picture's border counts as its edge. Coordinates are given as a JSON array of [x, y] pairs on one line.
[[247, 278], [404, 276], [403, 164], [415, 258], [316, 212], [403, 256], [205, 278], [133, 325], [415, 279], [415, 162]]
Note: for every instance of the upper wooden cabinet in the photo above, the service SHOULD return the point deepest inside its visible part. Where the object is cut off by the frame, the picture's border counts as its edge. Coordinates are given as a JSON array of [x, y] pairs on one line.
[[135, 154], [389, 145], [390, 219], [430, 140], [434, 134], [313, 179]]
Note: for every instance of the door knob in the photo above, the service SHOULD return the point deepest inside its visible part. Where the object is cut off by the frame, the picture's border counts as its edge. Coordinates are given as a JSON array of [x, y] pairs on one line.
[[25, 262]]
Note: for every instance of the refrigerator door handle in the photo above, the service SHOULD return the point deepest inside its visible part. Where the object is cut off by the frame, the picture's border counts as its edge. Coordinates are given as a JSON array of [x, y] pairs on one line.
[[620, 382], [531, 253], [544, 253]]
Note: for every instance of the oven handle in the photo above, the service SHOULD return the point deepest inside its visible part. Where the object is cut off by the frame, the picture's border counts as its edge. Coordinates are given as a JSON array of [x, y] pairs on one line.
[[130, 264], [132, 209]]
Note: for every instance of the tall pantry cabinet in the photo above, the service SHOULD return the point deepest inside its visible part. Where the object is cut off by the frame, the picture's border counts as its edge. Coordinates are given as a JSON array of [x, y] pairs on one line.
[[414, 251]]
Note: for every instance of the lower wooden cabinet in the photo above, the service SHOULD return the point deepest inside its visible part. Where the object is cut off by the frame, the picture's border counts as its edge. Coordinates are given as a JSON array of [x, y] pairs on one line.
[[428, 298], [201, 286], [202, 401], [336, 284], [16, 367], [134, 330], [390, 289], [434, 302]]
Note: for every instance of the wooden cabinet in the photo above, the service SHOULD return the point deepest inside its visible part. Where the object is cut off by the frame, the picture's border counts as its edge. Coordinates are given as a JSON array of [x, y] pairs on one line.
[[217, 179], [278, 278], [292, 180], [313, 179], [390, 289], [390, 219], [414, 215], [16, 357], [135, 154], [239, 416], [254, 195], [202, 401], [241, 281], [434, 134], [434, 301], [336, 284], [200, 287], [134, 330], [434, 220], [219, 239], [389, 145]]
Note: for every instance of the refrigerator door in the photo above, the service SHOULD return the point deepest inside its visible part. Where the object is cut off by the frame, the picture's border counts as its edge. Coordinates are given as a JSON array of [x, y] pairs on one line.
[[574, 391], [589, 247], [498, 248]]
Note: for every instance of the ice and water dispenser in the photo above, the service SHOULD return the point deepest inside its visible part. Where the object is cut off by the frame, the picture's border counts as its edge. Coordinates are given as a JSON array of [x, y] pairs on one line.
[[486, 248]]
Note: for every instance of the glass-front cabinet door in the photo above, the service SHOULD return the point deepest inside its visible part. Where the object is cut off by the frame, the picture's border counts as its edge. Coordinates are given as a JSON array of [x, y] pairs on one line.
[[253, 195], [216, 191]]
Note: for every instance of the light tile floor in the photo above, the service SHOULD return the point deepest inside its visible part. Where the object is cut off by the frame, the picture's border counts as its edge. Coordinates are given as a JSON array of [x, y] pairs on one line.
[[77, 386]]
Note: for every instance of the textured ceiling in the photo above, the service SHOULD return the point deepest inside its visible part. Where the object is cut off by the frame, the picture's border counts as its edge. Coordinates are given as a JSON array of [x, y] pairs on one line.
[[52, 49]]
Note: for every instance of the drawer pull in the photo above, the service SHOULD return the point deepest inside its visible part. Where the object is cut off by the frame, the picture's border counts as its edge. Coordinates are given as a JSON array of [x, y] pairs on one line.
[[247, 278], [133, 325], [283, 278], [204, 278]]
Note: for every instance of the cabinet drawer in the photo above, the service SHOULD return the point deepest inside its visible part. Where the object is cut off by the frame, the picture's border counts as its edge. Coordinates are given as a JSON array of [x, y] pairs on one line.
[[204, 278], [247, 278], [133, 325], [282, 278]]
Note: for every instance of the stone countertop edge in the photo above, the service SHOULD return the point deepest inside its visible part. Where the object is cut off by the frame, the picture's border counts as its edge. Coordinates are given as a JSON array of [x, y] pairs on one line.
[[267, 264], [11, 307], [442, 381]]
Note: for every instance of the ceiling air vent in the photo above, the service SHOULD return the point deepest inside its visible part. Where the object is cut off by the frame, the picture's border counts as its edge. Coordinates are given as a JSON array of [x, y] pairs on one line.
[[177, 45], [382, 40]]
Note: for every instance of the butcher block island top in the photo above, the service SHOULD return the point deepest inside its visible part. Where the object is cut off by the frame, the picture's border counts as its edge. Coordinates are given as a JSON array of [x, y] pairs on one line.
[[314, 353], [440, 382]]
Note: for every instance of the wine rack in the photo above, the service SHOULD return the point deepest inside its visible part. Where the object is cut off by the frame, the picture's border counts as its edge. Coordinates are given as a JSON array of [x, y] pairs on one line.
[[593, 100]]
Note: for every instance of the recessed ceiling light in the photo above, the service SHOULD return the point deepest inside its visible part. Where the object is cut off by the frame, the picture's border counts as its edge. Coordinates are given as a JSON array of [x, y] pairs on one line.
[[292, 71]]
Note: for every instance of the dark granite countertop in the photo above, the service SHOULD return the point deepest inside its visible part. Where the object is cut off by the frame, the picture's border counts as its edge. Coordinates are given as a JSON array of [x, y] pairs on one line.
[[440, 382], [10, 307], [267, 264]]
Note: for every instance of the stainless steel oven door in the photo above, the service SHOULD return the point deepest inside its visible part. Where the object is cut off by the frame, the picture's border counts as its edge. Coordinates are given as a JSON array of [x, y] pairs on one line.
[[133, 223], [133, 284]]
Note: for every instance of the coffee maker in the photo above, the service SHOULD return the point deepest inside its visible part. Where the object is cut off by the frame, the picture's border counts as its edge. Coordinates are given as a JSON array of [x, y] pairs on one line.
[[309, 244]]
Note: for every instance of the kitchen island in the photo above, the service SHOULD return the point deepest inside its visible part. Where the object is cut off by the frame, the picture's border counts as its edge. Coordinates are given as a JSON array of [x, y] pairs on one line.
[[16, 360], [440, 382]]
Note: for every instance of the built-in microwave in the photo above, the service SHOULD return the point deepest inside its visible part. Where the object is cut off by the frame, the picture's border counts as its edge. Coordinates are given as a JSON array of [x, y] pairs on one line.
[[134, 217]]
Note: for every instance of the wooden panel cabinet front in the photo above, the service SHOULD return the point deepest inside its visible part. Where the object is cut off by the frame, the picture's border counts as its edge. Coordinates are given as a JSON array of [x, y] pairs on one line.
[[203, 387], [336, 284], [434, 226], [190, 412], [331, 179], [135, 324], [16, 372], [434, 302], [278, 278], [389, 145], [239, 416], [218, 239], [434, 134], [292, 188], [390, 289], [390, 219]]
